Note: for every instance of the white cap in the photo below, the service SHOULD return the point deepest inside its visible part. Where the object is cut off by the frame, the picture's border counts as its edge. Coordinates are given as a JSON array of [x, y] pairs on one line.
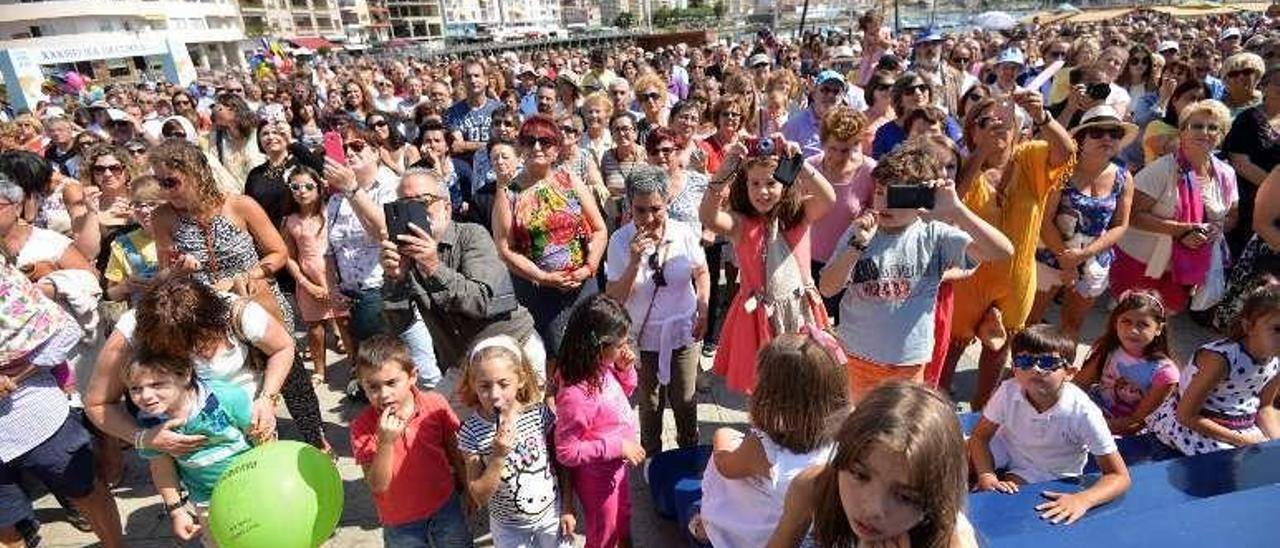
[[117, 115], [1229, 33], [1167, 45]]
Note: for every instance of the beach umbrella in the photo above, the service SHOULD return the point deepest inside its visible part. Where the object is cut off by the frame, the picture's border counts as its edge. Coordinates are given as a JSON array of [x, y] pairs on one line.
[[1066, 6]]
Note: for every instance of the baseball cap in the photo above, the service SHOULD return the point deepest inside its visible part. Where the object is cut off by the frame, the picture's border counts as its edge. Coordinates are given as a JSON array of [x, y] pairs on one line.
[[930, 34], [1230, 32], [1167, 45], [758, 59], [831, 75], [1011, 55]]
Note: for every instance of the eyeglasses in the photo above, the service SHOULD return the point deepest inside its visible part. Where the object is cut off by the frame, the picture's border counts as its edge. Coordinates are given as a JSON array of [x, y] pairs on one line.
[[144, 206], [175, 133], [663, 151], [1044, 362], [137, 151], [1114, 133], [731, 114], [114, 168], [426, 197], [299, 187], [182, 102], [1056, 54], [233, 91], [1204, 127], [505, 123], [961, 60], [530, 141], [1238, 73], [569, 130], [659, 276], [170, 182], [623, 129]]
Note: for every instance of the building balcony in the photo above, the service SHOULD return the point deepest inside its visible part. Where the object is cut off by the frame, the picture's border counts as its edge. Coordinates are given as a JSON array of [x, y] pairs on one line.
[[13, 12]]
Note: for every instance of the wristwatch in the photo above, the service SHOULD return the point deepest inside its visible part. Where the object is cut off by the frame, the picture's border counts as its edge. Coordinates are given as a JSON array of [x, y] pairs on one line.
[[171, 508]]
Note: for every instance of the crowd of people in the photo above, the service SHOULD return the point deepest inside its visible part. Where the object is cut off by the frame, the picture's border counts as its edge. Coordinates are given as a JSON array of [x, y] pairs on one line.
[[831, 220]]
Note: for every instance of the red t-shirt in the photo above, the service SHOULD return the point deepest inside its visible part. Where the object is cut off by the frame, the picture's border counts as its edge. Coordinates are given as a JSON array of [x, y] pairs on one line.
[[422, 480]]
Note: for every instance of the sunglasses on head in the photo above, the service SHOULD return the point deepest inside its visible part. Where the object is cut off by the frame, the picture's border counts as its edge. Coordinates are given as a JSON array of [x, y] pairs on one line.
[[530, 141], [1114, 133], [1044, 362], [299, 187]]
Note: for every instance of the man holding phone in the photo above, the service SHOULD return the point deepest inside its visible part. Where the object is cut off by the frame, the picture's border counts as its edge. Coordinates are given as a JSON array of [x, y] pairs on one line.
[[459, 287]]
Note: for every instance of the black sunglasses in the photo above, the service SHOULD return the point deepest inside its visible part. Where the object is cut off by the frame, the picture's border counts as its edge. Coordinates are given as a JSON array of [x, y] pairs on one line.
[[1099, 132], [530, 140], [659, 276]]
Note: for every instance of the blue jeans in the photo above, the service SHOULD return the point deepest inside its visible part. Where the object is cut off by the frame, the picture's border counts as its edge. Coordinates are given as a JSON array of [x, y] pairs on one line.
[[366, 321], [366, 313], [447, 528]]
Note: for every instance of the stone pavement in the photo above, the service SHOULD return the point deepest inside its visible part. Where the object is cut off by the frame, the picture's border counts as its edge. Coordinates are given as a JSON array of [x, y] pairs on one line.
[[146, 527]]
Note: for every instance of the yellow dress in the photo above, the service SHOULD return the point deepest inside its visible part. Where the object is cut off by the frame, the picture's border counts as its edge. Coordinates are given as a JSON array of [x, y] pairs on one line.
[[1017, 211]]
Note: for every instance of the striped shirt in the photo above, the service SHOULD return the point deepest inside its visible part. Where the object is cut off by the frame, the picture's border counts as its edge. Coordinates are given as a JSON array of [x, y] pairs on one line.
[[526, 494]]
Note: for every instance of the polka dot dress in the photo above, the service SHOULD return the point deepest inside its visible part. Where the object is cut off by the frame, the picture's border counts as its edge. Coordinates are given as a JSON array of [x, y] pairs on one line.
[[1235, 396]]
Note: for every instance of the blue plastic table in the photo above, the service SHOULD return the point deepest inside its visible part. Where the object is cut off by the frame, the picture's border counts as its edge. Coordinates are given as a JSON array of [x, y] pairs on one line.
[[1011, 520]]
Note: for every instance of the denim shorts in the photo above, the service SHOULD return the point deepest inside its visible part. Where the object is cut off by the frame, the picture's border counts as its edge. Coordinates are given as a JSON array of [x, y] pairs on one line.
[[64, 463], [447, 528]]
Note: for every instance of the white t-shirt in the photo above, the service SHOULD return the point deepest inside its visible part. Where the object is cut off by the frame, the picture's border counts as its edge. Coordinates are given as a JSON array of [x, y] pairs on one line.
[[228, 364], [1050, 445], [43, 245], [675, 303]]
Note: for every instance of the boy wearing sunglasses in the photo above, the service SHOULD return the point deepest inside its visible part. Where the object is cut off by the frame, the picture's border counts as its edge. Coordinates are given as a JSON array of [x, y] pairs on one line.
[[1040, 427]]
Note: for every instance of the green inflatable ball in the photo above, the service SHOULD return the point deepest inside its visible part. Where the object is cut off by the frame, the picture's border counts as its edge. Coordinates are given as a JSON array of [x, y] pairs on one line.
[[284, 494]]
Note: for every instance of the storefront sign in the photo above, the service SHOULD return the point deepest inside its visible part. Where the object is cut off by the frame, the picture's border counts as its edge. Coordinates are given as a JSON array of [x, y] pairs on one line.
[[89, 52]]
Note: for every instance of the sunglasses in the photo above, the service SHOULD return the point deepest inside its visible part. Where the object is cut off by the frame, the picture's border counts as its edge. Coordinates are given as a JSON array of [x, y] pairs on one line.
[[299, 187], [663, 151], [114, 168], [426, 197], [379, 123], [1140, 61], [730, 114], [137, 151], [650, 96], [1056, 54], [1204, 127], [569, 129], [922, 88], [177, 134], [1044, 362], [530, 141], [1114, 133], [505, 123], [961, 60], [659, 276], [170, 182], [144, 206], [356, 146], [1239, 73]]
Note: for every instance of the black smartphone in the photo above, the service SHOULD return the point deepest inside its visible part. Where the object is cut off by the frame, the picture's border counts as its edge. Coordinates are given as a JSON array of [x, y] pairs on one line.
[[910, 197], [788, 169], [402, 212], [1099, 91]]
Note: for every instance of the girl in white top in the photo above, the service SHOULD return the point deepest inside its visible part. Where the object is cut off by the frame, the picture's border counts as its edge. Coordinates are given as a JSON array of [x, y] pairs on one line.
[[897, 478], [1227, 395], [801, 390]]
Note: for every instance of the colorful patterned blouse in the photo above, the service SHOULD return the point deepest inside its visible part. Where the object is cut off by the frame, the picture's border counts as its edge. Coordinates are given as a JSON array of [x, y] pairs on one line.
[[548, 225]]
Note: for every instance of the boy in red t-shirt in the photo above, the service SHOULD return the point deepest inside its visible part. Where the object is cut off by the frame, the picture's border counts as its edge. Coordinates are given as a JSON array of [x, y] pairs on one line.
[[406, 442]]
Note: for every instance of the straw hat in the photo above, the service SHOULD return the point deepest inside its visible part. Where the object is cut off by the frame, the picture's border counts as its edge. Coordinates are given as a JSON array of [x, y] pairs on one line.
[[1105, 116]]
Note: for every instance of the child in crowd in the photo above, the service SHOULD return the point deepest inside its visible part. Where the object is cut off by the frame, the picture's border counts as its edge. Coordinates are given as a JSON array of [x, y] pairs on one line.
[[596, 434], [1227, 395], [802, 392], [509, 448], [1129, 371], [406, 442], [768, 223], [132, 260], [1039, 427], [897, 478], [307, 238], [892, 262], [167, 392]]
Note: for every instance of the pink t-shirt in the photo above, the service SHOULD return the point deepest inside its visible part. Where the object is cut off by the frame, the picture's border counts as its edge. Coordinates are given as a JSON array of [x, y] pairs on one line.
[[1127, 379], [852, 196], [591, 424]]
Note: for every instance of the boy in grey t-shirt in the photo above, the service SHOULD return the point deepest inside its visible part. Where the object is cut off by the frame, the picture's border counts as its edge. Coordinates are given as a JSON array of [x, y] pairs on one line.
[[892, 261]]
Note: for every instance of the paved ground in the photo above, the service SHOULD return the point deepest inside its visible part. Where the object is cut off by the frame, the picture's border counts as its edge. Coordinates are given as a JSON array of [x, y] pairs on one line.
[[145, 527]]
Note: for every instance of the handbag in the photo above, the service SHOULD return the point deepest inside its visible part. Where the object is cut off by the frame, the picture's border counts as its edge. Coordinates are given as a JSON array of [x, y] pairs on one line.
[[257, 290], [1214, 287]]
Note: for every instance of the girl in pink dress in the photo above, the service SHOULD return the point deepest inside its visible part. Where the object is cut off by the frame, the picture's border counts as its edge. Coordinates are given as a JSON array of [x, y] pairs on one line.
[[768, 222], [306, 236]]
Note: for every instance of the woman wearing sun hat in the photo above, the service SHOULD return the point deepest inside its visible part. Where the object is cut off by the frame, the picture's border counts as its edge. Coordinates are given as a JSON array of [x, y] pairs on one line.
[[1088, 214]]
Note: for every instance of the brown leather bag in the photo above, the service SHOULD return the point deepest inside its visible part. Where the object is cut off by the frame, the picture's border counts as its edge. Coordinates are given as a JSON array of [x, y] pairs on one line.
[[257, 290]]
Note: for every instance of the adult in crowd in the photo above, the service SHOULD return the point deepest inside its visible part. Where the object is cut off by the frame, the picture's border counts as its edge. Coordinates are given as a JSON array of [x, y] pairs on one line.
[[504, 124], [802, 127], [107, 174], [1089, 215], [1253, 148], [469, 118], [40, 435], [651, 93], [910, 92], [683, 187], [1160, 136], [356, 230], [1184, 203], [234, 141], [357, 102], [229, 243], [879, 97], [549, 232], [62, 152], [454, 278], [54, 202], [728, 116], [434, 143], [849, 172], [266, 183], [686, 127], [574, 156], [1006, 181], [596, 137], [1259, 263], [1242, 71], [656, 267], [393, 151]]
